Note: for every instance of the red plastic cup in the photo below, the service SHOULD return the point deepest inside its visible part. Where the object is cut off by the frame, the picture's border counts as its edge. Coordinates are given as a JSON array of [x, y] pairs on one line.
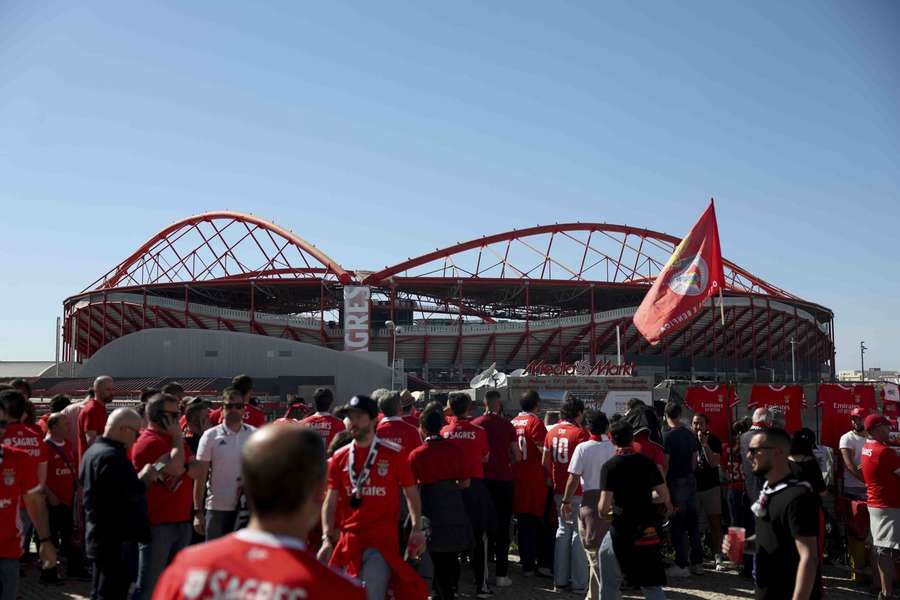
[[736, 537]]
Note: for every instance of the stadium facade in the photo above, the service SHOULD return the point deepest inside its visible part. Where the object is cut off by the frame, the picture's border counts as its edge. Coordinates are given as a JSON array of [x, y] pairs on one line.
[[556, 296]]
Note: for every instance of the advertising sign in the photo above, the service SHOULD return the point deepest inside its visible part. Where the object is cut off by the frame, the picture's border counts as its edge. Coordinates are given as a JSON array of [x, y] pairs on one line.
[[356, 318]]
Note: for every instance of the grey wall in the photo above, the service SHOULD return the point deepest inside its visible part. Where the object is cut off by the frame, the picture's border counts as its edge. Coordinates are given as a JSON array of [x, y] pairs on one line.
[[183, 353]]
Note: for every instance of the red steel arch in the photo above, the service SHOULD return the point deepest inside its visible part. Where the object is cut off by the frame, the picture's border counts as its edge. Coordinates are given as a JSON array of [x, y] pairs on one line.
[[221, 246], [598, 252]]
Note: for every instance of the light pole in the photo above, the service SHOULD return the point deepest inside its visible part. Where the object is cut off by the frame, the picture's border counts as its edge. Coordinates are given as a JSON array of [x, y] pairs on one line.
[[862, 361], [793, 362], [394, 331]]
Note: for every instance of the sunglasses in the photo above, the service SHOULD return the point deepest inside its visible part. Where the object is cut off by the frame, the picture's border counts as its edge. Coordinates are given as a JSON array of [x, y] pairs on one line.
[[234, 405], [754, 451]]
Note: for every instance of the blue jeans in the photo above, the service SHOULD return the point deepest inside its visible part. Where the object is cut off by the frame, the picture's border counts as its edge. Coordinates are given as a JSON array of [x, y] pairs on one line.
[[569, 559], [27, 529], [375, 573], [611, 575], [9, 578], [166, 540], [219, 523], [684, 521]]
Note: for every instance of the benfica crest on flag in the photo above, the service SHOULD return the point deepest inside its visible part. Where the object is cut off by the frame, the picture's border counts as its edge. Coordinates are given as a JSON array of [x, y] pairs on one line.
[[692, 274]]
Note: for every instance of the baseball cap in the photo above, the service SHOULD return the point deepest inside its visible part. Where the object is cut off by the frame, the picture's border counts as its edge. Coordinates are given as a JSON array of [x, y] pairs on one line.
[[873, 421], [804, 442], [363, 403], [859, 411]]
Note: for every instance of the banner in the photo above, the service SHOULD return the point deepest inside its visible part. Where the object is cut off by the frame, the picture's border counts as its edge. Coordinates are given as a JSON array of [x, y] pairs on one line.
[[356, 317], [691, 275], [890, 392], [836, 402], [716, 402], [787, 399]]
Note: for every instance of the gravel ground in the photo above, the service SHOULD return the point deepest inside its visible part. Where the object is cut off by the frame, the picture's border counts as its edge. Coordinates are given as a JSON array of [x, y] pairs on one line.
[[710, 586]]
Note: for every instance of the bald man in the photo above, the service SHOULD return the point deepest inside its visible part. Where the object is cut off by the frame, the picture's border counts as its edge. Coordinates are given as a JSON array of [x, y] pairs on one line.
[[115, 505], [92, 418], [283, 470]]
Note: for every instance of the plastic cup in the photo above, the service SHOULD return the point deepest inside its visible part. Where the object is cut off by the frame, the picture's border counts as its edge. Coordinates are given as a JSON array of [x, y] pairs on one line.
[[736, 537]]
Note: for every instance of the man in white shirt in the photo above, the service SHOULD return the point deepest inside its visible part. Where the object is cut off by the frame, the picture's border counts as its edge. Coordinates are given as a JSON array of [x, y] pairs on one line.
[[219, 458], [851, 445], [585, 467]]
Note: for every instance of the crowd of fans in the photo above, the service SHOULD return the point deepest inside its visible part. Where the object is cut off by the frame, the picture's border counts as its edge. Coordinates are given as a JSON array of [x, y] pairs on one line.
[[178, 498]]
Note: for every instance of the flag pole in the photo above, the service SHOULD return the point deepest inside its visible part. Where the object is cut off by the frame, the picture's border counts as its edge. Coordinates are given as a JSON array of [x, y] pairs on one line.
[[722, 306]]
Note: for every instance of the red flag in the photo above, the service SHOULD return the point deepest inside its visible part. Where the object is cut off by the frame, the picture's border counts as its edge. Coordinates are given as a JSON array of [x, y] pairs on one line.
[[692, 274]]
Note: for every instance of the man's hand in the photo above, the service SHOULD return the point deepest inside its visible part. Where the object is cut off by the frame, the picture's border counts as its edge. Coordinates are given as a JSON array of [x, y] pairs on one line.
[[324, 554], [52, 500], [173, 429], [566, 510], [148, 474], [415, 546], [200, 524], [47, 554]]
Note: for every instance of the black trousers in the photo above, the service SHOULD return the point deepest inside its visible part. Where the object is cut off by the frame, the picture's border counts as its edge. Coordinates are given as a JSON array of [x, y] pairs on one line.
[[498, 543], [446, 574], [529, 531], [62, 523], [113, 571]]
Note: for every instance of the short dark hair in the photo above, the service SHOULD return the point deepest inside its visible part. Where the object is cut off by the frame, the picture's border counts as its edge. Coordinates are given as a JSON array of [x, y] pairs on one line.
[[778, 437], [148, 393], [242, 383], [702, 416], [53, 420], [323, 398], [571, 408], [529, 400], [673, 410], [280, 483], [23, 386], [173, 388], [230, 391], [340, 439], [621, 433], [597, 421], [432, 420], [459, 403], [59, 402], [13, 402], [193, 408], [491, 395], [155, 406], [635, 402]]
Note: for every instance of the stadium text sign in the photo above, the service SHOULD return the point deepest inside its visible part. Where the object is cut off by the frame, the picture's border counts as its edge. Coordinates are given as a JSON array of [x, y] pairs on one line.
[[602, 368], [356, 318]]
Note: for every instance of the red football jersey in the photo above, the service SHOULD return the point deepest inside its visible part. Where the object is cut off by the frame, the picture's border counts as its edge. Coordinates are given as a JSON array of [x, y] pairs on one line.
[[787, 398], [252, 564], [169, 500], [436, 460], [412, 419], [91, 418], [252, 416], [325, 424], [380, 509], [560, 443], [18, 477], [398, 431], [61, 471], [837, 402], [26, 439], [716, 402], [528, 474], [472, 442]]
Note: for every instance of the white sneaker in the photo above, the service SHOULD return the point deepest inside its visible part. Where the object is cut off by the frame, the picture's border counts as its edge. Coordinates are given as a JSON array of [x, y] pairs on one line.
[[697, 569], [676, 571], [721, 566], [503, 582]]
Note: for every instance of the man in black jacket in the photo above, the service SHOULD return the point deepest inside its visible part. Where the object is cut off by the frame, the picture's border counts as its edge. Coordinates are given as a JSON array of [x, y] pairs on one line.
[[115, 506]]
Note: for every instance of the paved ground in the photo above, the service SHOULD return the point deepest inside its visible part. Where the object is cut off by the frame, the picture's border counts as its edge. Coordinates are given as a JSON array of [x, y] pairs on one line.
[[710, 586]]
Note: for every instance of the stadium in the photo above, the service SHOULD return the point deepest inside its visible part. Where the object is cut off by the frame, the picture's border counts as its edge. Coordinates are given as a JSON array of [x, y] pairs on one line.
[[213, 288]]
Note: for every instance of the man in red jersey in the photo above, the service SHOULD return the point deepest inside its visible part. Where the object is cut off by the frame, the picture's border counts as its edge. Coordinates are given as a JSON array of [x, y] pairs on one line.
[[408, 408], [362, 507], [322, 421], [392, 427], [498, 479], [474, 448], [531, 481], [60, 490], [92, 418], [570, 565], [283, 470], [252, 415], [441, 475], [170, 497], [18, 485], [881, 470]]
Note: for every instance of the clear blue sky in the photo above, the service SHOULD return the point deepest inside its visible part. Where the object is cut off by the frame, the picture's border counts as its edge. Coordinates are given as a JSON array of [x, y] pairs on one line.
[[378, 130]]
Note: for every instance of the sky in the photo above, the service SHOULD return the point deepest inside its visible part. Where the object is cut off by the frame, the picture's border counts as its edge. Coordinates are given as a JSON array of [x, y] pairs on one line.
[[381, 130]]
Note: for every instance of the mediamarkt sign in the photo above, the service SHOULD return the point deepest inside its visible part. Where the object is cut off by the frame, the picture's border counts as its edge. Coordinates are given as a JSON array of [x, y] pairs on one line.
[[356, 317], [583, 368]]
